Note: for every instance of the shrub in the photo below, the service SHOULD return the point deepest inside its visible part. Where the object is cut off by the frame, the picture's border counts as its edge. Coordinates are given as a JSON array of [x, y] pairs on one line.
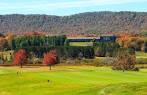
[[124, 61]]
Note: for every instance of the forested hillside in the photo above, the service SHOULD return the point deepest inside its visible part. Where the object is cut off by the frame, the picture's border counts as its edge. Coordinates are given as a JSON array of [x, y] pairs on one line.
[[90, 22]]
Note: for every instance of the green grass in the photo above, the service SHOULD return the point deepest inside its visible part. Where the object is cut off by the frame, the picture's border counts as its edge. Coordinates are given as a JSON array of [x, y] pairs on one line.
[[141, 55], [81, 43], [71, 80]]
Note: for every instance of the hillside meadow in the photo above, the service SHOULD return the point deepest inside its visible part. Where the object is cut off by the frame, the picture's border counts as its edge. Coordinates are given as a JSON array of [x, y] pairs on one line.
[[71, 80]]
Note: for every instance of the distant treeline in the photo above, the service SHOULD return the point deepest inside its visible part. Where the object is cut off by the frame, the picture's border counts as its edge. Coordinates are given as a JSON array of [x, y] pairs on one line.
[[90, 22]]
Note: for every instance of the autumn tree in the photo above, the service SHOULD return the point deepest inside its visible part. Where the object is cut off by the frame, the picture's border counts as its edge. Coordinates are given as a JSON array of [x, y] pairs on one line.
[[50, 58], [125, 60], [3, 44], [5, 41], [9, 37], [20, 57]]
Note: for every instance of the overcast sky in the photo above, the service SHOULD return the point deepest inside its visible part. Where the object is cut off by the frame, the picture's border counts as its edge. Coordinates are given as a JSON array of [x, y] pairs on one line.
[[68, 7]]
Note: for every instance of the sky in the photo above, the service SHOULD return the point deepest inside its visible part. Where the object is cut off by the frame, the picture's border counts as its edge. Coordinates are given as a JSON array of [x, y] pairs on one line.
[[69, 7]]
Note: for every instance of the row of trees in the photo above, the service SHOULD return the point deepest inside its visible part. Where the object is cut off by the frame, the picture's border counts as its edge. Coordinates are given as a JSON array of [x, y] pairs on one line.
[[40, 45], [124, 60], [108, 49], [49, 59], [62, 51], [29, 41]]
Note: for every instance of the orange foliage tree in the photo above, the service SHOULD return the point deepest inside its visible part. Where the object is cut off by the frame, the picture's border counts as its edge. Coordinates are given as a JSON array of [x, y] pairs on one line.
[[9, 37], [122, 40], [50, 58], [20, 57]]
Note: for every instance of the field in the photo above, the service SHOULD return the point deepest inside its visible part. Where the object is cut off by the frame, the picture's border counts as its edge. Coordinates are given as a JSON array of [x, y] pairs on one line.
[[81, 43], [71, 80]]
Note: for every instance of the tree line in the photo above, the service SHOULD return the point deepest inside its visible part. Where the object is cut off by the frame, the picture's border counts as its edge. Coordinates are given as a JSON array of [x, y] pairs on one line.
[[38, 41], [54, 48]]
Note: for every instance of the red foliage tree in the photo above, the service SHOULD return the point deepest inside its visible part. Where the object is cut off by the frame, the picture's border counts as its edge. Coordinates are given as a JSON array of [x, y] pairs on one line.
[[50, 58], [20, 57]]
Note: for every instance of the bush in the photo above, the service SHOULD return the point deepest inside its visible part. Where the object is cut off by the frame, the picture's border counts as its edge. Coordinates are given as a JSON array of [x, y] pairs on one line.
[[125, 60]]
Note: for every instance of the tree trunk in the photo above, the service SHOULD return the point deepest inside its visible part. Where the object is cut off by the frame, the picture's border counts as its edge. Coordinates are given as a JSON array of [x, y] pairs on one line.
[[50, 67], [21, 65]]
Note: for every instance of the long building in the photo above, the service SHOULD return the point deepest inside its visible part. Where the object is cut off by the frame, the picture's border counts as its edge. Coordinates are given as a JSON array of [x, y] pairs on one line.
[[90, 39]]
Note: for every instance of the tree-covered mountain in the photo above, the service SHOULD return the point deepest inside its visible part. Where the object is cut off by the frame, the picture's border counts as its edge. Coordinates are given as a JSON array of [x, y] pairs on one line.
[[90, 22]]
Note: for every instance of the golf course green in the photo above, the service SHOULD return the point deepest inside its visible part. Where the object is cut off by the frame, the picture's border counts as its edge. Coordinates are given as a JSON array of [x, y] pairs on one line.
[[71, 80]]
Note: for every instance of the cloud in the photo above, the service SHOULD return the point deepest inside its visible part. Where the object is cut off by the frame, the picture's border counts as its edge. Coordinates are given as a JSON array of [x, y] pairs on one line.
[[64, 4]]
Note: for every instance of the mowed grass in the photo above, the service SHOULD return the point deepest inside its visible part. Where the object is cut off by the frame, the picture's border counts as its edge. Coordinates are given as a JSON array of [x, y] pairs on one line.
[[81, 43], [71, 80], [141, 55]]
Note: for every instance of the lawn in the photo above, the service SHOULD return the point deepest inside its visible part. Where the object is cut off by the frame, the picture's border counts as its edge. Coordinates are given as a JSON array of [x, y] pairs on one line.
[[71, 80], [141, 55], [81, 43]]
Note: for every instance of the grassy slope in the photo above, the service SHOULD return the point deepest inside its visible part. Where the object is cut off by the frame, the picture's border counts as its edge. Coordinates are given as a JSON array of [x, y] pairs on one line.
[[73, 80]]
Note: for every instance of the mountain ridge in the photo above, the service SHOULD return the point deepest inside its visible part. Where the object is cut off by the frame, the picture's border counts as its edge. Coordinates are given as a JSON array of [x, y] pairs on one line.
[[89, 22]]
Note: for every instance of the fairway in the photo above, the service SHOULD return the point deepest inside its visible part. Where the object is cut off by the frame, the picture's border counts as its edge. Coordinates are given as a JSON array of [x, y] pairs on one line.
[[81, 43], [71, 80]]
